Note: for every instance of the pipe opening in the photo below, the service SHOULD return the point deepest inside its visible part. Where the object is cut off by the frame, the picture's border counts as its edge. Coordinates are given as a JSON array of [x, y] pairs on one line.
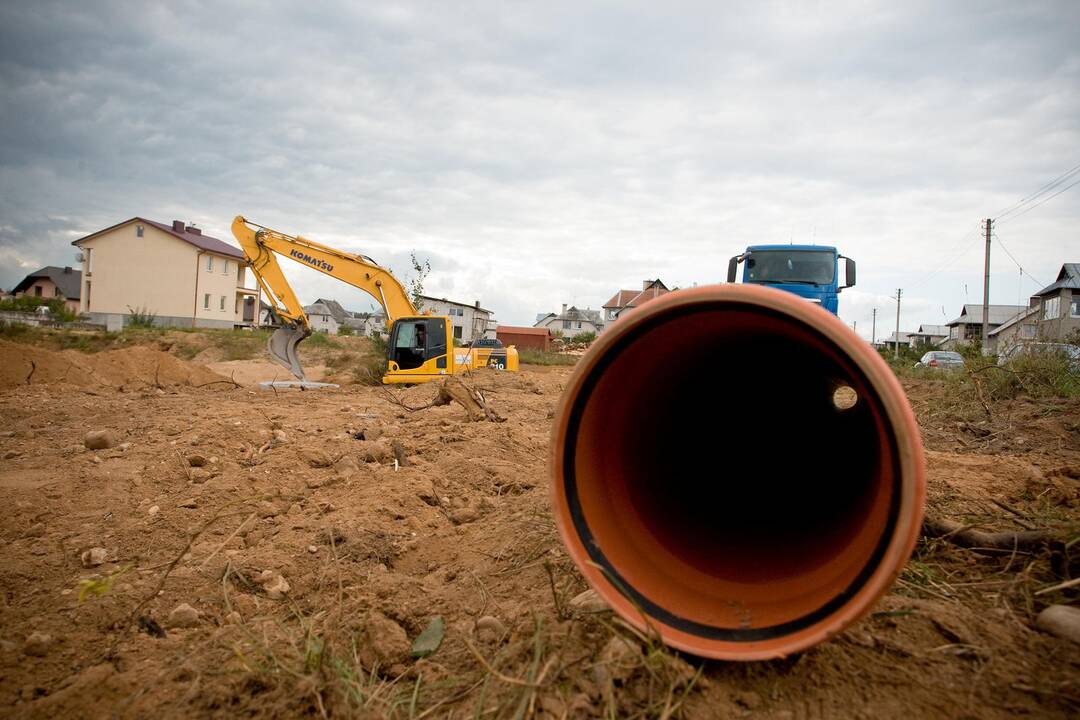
[[732, 469]]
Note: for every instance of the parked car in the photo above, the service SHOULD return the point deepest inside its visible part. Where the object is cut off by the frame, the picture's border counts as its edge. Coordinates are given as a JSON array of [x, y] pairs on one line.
[[941, 360], [1072, 352]]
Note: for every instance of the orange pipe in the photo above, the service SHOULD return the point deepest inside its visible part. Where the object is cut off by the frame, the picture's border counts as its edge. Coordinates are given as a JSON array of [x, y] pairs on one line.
[[711, 484]]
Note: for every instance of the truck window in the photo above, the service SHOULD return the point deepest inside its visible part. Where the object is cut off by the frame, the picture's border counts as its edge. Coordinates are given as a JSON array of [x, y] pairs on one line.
[[791, 266]]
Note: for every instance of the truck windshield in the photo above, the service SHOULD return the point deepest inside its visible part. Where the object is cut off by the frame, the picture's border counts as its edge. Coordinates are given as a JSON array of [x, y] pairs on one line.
[[791, 266]]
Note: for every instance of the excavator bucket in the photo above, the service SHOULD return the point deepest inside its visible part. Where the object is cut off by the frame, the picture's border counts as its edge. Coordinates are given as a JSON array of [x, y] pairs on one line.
[[282, 347]]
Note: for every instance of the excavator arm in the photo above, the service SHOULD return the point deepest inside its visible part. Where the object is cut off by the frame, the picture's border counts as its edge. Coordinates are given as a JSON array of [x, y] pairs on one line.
[[261, 245]]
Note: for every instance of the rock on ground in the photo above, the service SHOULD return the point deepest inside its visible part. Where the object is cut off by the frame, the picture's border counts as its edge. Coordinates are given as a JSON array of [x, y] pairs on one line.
[[1060, 620], [94, 556], [384, 642], [38, 644], [100, 440], [183, 616]]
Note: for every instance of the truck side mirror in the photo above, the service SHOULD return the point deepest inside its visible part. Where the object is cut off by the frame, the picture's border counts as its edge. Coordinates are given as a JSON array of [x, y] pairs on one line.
[[849, 273], [732, 269]]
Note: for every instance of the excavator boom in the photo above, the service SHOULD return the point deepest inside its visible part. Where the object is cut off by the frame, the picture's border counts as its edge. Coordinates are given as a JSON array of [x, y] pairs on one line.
[[261, 245]]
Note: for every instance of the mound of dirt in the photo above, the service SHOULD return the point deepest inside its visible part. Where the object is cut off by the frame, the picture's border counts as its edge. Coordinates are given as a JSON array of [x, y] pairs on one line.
[[28, 365]]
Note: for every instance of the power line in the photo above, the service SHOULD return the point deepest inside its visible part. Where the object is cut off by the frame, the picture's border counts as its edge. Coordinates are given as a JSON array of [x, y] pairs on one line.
[[1018, 264], [1065, 176], [1029, 208]]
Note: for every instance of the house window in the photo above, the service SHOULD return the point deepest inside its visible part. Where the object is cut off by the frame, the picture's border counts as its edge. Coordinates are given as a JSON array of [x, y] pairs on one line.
[[87, 296], [457, 332], [138, 231], [89, 260], [221, 305], [1027, 332], [565, 324], [206, 301], [1074, 310], [56, 292], [1051, 308], [579, 326], [37, 291], [209, 263], [225, 270]]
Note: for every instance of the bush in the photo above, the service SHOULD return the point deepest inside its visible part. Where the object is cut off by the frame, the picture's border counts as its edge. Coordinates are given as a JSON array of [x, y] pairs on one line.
[[345, 330], [58, 309], [141, 317], [584, 338]]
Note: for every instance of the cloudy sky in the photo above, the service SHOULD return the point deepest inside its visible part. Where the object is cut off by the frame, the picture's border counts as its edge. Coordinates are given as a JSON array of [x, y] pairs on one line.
[[548, 153]]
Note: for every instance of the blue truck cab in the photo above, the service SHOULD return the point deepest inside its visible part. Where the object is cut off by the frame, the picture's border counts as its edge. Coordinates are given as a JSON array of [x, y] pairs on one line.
[[809, 271]]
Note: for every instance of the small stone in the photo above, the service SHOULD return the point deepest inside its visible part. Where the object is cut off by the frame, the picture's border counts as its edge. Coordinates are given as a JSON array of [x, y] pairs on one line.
[[196, 461], [198, 476], [100, 439], [11, 455], [1060, 620], [588, 602], [377, 451], [154, 510], [38, 644], [346, 466], [313, 549], [295, 509], [280, 436], [36, 530], [233, 618], [490, 629], [383, 641], [96, 460], [190, 504], [267, 510], [213, 460], [94, 556], [183, 616], [124, 446], [196, 440], [275, 585], [317, 458], [464, 515]]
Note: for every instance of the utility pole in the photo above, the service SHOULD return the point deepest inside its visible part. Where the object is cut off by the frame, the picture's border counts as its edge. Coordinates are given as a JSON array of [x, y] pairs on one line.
[[986, 292], [896, 348], [873, 328]]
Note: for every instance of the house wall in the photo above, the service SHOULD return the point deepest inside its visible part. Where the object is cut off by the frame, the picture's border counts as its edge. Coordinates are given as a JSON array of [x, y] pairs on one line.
[[1065, 322], [473, 322], [161, 274], [49, 290], [324, 323], [557, 324], [1024, 331]]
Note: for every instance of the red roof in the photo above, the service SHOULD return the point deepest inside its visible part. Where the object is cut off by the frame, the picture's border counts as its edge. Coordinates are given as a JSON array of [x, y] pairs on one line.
[[646, 295], [621, 298], [189, 235], [514, 330]]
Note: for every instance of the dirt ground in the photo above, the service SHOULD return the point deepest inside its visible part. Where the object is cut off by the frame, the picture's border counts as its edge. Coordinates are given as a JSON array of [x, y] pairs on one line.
[[275, 554]]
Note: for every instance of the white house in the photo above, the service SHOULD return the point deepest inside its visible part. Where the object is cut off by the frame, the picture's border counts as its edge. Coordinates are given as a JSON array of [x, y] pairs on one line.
[[471, 322], [321, 319], [571, 321]]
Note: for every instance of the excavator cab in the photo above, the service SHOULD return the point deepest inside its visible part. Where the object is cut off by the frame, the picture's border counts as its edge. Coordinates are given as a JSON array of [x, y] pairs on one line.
[[417, 350]]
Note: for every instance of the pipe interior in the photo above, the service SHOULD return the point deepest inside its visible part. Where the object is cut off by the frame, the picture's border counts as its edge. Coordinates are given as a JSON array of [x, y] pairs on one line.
[[722, 474]]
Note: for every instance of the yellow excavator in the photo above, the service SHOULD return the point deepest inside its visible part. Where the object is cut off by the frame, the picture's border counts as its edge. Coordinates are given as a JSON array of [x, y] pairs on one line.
[[420, 347]]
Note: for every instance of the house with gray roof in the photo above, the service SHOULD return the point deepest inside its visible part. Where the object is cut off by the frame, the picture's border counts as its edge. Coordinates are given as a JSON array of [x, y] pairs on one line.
[[967, 327], [52, 282], [571, 321], [1059, 306], [928, 336]]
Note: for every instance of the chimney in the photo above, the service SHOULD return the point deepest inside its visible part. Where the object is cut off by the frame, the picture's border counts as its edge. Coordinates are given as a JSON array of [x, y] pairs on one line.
[[1033, 302], [178, 225], [564, 310], [67, 270], [477, 304], [194, 230]]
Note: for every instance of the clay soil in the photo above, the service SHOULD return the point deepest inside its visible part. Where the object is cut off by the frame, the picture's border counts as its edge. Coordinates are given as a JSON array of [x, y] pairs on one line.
[[378, 519]]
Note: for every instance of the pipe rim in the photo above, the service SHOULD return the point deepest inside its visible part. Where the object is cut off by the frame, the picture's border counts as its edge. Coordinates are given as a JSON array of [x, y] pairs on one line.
[[909, 480]]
